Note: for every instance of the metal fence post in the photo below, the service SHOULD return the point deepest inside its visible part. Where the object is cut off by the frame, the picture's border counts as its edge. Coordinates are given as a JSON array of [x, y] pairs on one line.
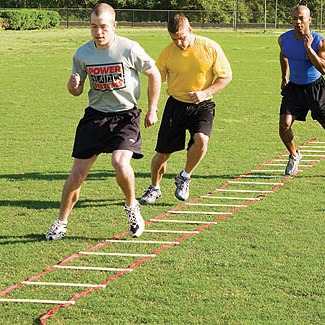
[[67, 16], [264, 16], [321, 15], [133, 18], [276, 14], [235, 15]]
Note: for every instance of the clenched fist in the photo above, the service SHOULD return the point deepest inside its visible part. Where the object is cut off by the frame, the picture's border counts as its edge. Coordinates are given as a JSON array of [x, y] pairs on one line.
[[74, 81]]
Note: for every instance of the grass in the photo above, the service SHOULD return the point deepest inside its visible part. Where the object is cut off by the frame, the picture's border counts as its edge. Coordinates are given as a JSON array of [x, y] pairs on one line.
[[262, 266]]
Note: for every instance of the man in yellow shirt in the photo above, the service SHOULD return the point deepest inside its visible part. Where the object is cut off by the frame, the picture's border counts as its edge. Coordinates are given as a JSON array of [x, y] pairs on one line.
[[195, 69]]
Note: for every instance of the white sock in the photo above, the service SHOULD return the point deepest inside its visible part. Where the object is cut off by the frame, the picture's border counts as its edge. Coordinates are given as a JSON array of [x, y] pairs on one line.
[[156, 187], [132, 205], [63, 222], [185, 174]]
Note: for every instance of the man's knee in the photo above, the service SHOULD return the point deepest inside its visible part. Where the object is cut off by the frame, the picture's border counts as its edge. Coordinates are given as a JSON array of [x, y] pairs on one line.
[[160, 159], [284, 124], [201, 140], [321, 121], [120, 163], [78, 175], [80, 170]]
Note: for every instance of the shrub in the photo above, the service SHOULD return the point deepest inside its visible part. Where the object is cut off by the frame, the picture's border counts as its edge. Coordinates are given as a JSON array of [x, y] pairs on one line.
[[3, 23], [28, 19]]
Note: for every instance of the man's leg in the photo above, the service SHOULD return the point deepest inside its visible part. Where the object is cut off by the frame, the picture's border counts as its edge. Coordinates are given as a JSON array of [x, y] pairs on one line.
[[70, 196], [121, 161], [195, 154], [72, 186], [158, 169], [286, 134], [321, 122]]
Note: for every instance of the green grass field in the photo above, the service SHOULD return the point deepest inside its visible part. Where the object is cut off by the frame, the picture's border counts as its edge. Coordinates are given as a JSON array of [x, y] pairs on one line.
[[264, 265]]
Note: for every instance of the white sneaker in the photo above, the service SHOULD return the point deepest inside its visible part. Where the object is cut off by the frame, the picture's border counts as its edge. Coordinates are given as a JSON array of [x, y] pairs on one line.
[[182, 191], [57, 230], [150, 195], [136, 222], [292, 165]]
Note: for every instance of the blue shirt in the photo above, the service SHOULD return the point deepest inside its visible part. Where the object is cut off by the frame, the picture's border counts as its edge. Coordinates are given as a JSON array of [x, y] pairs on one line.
[[302, 71]]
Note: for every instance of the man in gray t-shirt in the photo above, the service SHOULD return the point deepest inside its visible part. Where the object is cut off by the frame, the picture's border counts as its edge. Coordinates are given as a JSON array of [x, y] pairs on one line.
[[111, 121]]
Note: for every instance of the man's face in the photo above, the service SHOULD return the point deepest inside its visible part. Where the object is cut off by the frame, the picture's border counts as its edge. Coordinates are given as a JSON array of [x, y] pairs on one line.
[[301, 20], [102, 29], [182, 38]]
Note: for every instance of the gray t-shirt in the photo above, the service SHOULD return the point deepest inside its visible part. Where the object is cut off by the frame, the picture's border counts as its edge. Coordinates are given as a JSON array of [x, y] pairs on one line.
[[113, 73]]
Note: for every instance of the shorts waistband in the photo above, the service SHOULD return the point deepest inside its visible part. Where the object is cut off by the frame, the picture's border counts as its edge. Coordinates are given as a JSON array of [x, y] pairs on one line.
[[316, 82], [89, 108], [190, 104]]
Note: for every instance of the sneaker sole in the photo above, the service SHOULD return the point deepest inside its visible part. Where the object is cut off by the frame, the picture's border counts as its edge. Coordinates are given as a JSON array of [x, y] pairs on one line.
[[180, 198], [142, 202], [136, 235], [147, 203], [51, 238]]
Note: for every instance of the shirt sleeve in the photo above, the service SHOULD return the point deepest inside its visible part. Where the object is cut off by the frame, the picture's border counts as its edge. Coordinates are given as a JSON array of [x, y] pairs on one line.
[[221, 67], [319, 38], [79, 67], [141, 60]]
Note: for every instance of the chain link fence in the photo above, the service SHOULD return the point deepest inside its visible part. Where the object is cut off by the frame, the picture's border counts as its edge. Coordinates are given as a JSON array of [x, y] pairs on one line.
[[266, 17]]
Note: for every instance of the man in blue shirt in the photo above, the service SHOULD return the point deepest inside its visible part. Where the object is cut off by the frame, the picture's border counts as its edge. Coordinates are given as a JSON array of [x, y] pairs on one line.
[[302, 61]]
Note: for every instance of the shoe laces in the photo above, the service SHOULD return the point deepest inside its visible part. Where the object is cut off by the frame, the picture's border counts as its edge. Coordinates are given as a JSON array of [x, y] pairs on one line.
[[56, 226], [183, 182], [131, 212], [150, 191], [296, 157]]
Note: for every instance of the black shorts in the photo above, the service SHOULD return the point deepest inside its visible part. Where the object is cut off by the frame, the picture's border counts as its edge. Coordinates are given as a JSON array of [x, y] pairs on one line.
[[179, 117], [299, 99], [99, 132]]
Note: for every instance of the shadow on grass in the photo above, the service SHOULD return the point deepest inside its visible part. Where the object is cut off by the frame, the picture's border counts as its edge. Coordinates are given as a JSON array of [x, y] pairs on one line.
[[43, 205], [28, 238], [39, 205], [94, 175]]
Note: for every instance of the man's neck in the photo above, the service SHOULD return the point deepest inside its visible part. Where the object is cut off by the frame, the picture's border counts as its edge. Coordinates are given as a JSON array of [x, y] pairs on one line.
[[300, 35], [192, 38]]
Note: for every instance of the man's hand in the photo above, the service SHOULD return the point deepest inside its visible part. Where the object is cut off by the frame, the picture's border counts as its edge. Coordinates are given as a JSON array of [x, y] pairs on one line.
[[308, 40], [74, 81], [198, 96], [284, 82], [150, 119], [75, 85]]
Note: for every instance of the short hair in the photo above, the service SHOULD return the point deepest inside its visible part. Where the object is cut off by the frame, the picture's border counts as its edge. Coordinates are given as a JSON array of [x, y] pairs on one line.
[[301, 5], [177, 22], [102, 7]]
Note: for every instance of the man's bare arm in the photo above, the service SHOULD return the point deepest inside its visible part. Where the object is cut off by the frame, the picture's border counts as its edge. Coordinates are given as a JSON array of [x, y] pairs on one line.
[[201, 95], [317, 59], [154, 84], [284, 64]]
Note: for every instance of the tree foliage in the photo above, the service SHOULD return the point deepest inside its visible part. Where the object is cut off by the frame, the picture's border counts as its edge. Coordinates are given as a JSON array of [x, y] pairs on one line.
[[221, 11]]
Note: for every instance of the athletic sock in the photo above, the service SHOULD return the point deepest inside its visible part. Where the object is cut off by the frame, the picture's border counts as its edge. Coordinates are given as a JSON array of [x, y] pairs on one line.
[[185, 174], [132, 205]]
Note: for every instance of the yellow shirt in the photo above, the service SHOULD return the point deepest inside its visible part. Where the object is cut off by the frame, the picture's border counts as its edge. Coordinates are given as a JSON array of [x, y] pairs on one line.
[[192, 69]]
